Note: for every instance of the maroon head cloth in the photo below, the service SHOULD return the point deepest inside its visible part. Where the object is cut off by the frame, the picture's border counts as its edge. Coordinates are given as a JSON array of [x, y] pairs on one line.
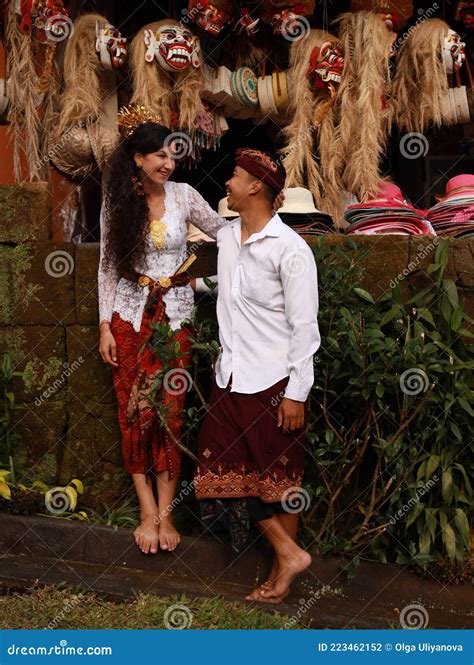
[[262, 166]]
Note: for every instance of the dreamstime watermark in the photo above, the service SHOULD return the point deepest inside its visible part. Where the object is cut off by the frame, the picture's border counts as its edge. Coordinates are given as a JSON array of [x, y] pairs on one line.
[[182, 145], [59, 382], [178, 617], [58, 500], [58, 28], [295, 500], [293, 28], [54, 149], [414, 617], [185, 491], [306, 605], [424, 250], [295, 146], [295, 264], [59, 263], [414, 381], [424, 14], [177, 381], [69, 605], [414, 145], [412, 501]]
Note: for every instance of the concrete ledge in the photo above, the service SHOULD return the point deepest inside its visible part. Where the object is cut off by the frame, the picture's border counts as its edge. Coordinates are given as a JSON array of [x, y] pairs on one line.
[[106, 560]]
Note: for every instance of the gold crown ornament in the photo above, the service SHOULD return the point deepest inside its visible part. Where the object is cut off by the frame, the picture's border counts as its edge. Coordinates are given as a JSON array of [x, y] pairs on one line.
[[131, 117]]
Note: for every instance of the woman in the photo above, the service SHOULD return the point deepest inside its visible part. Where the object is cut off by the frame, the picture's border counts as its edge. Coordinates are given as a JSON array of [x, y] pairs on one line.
[[144, 224]]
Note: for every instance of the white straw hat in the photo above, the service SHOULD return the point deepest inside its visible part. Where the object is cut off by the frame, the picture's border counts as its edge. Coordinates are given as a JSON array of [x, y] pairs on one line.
[[298, 200]]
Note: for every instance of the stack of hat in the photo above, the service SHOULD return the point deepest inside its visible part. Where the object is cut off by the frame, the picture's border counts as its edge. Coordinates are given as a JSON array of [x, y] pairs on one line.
[[387, 213], [299, 212], [453, 215]]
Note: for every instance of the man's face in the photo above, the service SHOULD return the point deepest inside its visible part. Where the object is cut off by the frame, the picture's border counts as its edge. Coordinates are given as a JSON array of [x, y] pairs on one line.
[[240, 186]]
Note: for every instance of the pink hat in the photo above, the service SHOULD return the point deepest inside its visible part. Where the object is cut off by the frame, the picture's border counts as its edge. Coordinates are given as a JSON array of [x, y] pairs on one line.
[[388, 196], [464, 181]]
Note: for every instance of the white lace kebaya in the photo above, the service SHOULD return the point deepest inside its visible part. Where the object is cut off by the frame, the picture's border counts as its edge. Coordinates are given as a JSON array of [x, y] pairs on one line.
[[183, 205]]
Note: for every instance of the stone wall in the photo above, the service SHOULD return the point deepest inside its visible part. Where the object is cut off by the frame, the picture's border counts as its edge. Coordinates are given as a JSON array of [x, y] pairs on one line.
[[66, 416]]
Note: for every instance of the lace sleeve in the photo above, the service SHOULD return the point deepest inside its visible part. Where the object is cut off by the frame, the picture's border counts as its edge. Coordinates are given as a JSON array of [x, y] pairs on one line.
[[201, 214], [107, 277]]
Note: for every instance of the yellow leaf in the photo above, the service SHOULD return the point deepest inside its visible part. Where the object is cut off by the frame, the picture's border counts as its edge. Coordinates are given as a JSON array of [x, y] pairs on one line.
[[4, 473], [5, 491], [72, 496], [78, 485]]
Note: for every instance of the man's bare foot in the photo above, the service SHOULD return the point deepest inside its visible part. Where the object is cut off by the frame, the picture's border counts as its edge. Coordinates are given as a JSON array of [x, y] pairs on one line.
[[290, 565], [169, 537], [147, 534], [255, 594]]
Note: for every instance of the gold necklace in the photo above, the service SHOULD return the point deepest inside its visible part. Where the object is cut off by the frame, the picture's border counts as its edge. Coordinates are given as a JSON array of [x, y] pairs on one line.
[[158, 233]]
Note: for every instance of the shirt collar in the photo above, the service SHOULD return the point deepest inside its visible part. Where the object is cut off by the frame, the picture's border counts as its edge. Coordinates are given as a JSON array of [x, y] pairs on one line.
[[272, 228]]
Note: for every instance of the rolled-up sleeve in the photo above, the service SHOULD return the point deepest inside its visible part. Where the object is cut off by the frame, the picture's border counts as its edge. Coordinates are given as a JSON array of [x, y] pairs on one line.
[[300, 285]]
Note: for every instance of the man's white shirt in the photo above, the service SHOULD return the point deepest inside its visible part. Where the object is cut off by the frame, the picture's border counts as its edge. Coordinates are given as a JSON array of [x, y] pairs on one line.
[[267, 308]]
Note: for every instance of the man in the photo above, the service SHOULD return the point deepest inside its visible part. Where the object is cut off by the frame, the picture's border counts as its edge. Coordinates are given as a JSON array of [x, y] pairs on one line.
[[251, 445]]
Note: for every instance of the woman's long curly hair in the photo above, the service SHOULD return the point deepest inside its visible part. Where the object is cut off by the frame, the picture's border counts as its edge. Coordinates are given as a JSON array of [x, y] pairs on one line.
[[125, 210]]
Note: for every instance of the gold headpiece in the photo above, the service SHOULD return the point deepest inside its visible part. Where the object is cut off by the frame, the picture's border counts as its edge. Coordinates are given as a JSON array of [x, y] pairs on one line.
[[131, 117]]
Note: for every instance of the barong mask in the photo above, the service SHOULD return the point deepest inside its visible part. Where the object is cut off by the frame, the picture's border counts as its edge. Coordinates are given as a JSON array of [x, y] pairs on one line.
[[465, 13], [246, 22], [453, 52], [208, 16], [174, 47], [110, 46], [49, 20], [287, 18], [395, 14], [326, 66]]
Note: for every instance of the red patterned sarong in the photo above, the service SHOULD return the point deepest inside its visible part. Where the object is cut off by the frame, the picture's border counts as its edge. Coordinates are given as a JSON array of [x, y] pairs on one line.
[[147, 445]]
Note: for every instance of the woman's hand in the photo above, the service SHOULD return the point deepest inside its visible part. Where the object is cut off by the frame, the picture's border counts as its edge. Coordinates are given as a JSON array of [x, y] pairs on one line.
[[278, 202], [107, 346]]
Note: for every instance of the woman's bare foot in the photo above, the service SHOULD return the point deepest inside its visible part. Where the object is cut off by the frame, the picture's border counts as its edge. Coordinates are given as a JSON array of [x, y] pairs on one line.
[[169, 537], [147, 534], [290, 565]]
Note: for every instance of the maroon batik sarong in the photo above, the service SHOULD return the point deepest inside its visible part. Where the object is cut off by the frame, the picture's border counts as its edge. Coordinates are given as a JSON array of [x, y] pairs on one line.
[[241, 450], [149, 437]]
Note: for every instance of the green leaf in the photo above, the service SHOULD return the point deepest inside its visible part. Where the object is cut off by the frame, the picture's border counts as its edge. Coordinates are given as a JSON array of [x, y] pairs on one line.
[[455, 430], [447, 486], [457, 318], [393, 313], [40, 485], [431, 523], [462, 524], [451, 291], [425, 314], [413, 514], [449, 540], [365, 295], [431, 465], [425, 541]]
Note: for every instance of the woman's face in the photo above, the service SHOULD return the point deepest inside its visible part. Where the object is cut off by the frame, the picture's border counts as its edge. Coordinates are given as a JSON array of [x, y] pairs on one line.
[[157, 166]]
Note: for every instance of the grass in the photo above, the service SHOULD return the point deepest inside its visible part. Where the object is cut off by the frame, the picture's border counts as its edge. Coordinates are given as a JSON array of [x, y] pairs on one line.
[[70, 608]]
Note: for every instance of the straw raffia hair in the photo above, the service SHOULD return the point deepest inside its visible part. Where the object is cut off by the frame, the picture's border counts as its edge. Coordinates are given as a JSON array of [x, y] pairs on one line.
[[23, 92], [82, 97], [162, 91], [421, 82], [300, 157], [362, 125]]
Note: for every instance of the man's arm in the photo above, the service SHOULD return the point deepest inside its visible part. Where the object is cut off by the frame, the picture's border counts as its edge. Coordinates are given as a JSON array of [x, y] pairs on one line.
[[300, 285]]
